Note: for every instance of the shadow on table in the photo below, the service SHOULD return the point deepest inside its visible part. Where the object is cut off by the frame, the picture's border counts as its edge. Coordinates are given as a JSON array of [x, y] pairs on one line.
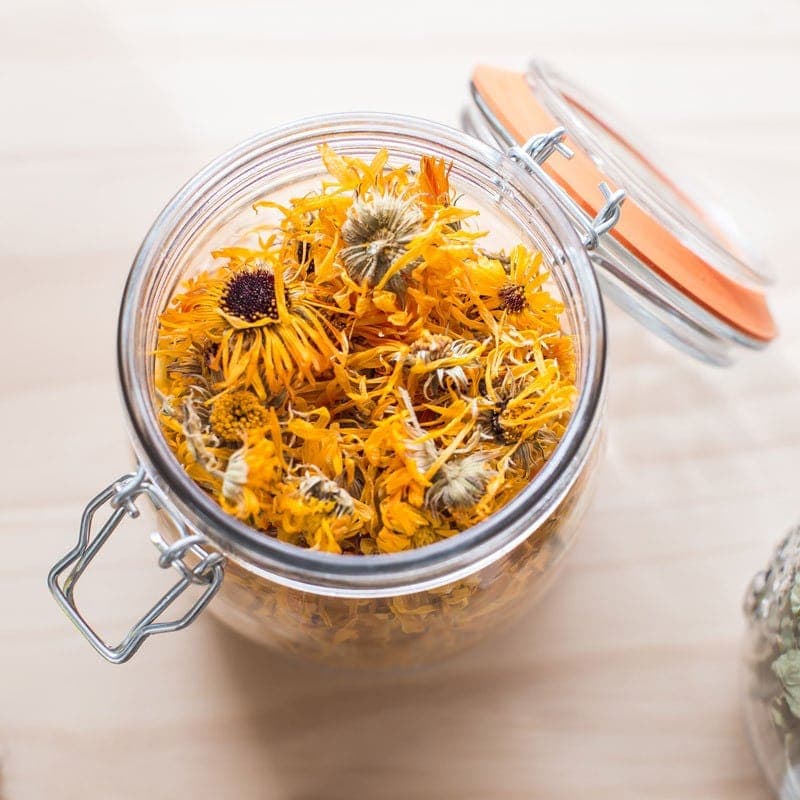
[[336, 733]]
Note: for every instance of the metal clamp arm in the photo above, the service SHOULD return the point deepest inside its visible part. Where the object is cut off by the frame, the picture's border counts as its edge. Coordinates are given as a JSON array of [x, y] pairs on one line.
[[121, 496]]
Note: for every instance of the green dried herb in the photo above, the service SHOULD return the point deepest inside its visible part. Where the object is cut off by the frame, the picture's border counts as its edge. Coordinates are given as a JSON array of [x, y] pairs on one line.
[[787, 668]]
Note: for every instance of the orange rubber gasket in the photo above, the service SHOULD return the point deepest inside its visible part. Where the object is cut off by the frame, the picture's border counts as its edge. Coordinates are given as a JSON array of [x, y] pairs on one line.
[[509, 97]]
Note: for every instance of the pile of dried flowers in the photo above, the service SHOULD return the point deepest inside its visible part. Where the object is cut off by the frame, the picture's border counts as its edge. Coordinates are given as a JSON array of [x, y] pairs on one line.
[[772, 656], [361, 376]]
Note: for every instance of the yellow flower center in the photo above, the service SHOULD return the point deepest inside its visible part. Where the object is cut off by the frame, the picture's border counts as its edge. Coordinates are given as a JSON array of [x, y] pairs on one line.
[[235, 414]]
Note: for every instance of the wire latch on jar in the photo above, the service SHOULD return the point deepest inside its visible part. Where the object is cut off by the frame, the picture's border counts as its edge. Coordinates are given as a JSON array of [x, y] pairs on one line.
[[121, 496], [537, 150]]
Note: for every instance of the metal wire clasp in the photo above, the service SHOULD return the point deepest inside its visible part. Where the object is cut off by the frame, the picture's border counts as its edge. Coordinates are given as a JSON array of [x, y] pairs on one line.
[[607, 217], [121, 495], [543, 145], [536, 151]]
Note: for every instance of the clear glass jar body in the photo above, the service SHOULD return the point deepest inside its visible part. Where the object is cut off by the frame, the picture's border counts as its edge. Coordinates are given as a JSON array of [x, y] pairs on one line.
[[385, 610], [771, 674], [402, 629]]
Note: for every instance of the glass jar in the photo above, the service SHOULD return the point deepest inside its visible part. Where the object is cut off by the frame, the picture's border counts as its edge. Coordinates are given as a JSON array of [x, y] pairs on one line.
[[771, 678], [409, 607]]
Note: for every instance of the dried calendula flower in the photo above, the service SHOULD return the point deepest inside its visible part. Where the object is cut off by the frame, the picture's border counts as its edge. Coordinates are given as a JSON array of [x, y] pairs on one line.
[[442, 362], [358, 375], [377, 231], [266, 329], [515, 286], [249, 479], [235, 414], [321, 488], [429, 347], [533, 452], [460, 483]]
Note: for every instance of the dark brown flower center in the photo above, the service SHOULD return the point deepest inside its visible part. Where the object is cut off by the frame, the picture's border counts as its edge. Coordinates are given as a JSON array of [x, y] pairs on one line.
[[512, 296], [498, 427], [250, 296]]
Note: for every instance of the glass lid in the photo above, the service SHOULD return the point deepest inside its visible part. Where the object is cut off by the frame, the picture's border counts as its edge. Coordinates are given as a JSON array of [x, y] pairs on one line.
[[675, 263]]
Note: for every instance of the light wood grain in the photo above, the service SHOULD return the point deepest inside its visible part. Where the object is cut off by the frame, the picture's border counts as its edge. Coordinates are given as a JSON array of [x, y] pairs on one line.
[[624, 682]]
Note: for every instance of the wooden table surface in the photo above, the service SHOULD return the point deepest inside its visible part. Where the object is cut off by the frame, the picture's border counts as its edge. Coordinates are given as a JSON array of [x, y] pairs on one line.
[[624, 682]]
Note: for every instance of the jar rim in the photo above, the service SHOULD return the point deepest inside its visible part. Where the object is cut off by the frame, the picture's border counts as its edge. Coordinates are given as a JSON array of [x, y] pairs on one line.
[[381, 574]]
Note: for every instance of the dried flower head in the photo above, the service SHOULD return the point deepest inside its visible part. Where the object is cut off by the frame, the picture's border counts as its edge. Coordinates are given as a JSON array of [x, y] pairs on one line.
[[532, 453], [492, 421], [264, 326], [235, 414], [319, 487], [512, 296], [459, 483], [514, 285], [249, 297], [377, 231], [460, 473], [429, 347], [443, 360], [494, 418], [252, 473], [196, 368]]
